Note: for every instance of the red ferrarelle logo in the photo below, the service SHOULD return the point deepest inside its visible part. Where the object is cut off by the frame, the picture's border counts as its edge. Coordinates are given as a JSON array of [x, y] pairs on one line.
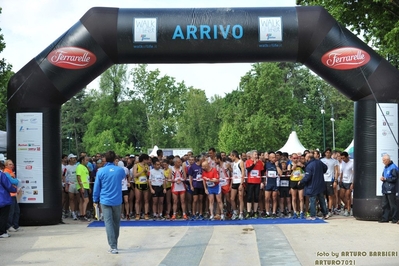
[[71, 58], [345, 58]]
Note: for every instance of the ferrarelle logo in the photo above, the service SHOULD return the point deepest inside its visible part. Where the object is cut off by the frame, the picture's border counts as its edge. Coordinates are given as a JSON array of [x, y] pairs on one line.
[[345, 58], [71, 58]]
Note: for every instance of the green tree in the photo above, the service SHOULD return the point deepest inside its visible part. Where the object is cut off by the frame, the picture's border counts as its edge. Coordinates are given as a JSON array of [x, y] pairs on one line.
[[5, 75], [377, 21], [164, 102]]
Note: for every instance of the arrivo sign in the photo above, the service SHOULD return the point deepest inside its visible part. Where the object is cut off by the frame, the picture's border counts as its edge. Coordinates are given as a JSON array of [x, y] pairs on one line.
[[345, 58], [71, 58]]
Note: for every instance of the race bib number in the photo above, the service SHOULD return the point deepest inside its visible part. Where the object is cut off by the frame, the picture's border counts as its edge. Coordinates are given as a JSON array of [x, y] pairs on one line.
[[296, 173], [272, 174], [255, 173], [223, 182], [142, 179], [199, 177], [210, 183], [284, 183]]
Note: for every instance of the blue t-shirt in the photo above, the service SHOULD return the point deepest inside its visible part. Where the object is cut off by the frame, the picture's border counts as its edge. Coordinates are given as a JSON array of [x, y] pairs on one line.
[[196, 172]]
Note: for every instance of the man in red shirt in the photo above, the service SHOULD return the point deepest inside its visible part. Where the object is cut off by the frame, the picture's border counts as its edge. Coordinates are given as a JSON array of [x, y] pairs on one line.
[[254, 168], [212, 187]]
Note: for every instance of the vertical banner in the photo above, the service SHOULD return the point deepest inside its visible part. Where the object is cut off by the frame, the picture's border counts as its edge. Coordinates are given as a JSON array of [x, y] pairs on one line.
[[29, 158], [387, 123]]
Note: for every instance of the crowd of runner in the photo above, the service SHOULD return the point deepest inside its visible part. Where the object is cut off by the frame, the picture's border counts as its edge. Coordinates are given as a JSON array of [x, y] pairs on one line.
[[214, 186]]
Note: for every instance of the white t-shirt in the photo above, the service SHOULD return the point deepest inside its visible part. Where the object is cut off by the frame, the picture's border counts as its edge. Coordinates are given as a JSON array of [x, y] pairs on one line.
[[224, 175], [236, 172], [157, 177], [70, 175], [331, 164], [347, 172]]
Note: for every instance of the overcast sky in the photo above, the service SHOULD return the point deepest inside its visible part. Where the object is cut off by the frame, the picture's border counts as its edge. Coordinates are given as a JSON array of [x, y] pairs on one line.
[[29, 26]]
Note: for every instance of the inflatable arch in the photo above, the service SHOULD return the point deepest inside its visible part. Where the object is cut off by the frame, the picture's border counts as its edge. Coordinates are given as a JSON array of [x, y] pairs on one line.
[[107, 36]]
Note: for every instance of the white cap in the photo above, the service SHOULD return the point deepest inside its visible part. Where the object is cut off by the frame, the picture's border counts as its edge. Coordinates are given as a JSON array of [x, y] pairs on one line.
[[120, 164], [71, 156]]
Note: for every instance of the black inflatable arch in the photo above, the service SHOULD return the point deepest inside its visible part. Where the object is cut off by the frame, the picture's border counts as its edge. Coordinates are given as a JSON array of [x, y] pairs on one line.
[[107, 36]]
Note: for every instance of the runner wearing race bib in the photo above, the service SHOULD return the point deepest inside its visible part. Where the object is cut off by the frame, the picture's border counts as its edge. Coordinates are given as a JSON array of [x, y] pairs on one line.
[[237, 185], [197, 186], [273, 173], [178, 187], [254, 168], [212, 187], [297, 173], [140, 174], [224, 175], [158, 189]]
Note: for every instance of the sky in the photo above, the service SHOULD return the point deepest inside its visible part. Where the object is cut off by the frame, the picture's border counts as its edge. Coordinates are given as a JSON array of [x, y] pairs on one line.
[[29, 26]]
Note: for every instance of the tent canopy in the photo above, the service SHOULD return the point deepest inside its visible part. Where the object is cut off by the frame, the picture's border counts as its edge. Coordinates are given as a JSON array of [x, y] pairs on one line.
[[293, 145], [3, 141], [350, 150]]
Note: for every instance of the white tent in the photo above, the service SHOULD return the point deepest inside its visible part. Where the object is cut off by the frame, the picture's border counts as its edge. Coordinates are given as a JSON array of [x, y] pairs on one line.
[[293, 145], [350, 150], [3, 141]]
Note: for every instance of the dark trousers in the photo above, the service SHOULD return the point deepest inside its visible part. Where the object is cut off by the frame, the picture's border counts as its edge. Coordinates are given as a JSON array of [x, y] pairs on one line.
[[389, 207], [4, 211], [13, 216]]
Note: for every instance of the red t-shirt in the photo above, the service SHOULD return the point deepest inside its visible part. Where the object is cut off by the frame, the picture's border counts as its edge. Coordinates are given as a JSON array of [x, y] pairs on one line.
[[213, 173], [254, 176]]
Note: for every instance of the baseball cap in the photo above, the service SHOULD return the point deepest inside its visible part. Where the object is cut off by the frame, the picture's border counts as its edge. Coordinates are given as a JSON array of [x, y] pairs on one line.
[[71, 156], [131, 156]]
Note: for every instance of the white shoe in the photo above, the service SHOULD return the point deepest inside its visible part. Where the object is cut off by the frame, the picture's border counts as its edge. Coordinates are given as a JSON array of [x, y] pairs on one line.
[[113, 251], [11, 229], [222, 217], [240, 217], [5, 235]]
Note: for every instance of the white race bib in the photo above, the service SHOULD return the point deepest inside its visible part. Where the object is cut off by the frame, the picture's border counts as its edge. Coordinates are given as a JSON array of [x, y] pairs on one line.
[[272, 174], [210, 183], [284, 183], [255, 173], [142, 179], [199, 177]]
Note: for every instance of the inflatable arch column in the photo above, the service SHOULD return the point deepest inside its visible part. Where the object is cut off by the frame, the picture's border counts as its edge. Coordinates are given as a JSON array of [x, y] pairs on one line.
[[107, 36]]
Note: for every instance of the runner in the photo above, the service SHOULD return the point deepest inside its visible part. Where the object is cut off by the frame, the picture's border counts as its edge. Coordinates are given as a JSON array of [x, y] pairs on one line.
[[158, 189], [212, 188], [273, 173], [178, 188], [197, 186], [254, 168], [237, 185], [140, 174]]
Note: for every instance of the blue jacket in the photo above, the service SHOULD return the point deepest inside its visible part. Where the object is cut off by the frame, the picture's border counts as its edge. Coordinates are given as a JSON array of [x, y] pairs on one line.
[[314, 177], [391, 174], [108, 185], [5, 188]]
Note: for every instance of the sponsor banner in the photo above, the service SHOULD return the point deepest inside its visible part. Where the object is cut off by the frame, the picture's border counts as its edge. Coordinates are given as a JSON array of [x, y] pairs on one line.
[[29, 159], [345, 58], [145, 30], [387, 122], [71, 58], [270, 29]]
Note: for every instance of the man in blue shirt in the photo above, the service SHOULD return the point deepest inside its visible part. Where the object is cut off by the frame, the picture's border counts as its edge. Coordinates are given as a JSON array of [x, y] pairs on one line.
[[389, 178], [314, 185], [108, 192]]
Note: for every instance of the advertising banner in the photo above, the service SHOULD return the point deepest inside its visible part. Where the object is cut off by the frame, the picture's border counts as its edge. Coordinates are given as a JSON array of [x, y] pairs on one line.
[[387, 123], [29, 162]]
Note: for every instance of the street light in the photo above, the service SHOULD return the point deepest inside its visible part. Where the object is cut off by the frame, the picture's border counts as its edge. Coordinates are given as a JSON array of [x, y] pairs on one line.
[[324, 130], [69, 141], [332, 121]]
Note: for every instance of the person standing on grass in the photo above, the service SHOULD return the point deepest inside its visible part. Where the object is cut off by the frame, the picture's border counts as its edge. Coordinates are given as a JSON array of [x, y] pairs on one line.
[[108, 193]]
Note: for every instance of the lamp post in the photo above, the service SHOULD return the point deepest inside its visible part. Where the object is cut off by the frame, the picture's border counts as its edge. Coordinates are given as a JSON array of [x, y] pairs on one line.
[[69, 142], [333, 132], [324, 130]]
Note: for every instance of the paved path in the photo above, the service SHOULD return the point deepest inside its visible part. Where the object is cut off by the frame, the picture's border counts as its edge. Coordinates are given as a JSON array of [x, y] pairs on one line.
[[344, 240]]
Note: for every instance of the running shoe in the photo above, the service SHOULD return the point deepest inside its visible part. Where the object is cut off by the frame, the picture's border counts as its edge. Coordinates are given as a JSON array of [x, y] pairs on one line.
[[255, 215], [201, 217], [301, 215], [5, 235], [222, 218], [241, 217], [137, 217], [113, 251], [212, 218], [234, 217], [146, 217], [295, 216], [173, 217], [311, 218], [185, 217]]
